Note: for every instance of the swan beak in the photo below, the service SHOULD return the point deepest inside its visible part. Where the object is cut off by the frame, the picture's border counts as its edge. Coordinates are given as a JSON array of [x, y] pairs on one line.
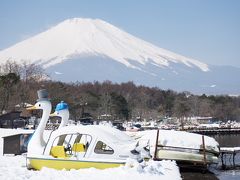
[[53, 114], [31, 108]]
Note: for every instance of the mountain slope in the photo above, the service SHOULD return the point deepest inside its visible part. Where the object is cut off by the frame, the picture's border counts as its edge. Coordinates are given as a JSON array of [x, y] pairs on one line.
[[78, 36], [220, 80]]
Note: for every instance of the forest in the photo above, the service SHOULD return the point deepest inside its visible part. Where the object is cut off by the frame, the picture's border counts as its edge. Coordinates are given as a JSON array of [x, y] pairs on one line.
[[122, 101]]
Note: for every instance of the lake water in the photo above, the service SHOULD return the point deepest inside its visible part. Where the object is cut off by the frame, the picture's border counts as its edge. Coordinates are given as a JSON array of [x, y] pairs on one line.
[[228, 140], [216, 172]]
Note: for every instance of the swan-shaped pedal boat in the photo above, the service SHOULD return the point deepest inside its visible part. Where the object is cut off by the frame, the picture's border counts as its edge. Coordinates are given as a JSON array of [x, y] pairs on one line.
[[75, 147]]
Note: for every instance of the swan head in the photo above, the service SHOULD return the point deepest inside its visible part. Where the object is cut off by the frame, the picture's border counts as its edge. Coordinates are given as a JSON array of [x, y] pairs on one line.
[[62, 112], [43, 104]]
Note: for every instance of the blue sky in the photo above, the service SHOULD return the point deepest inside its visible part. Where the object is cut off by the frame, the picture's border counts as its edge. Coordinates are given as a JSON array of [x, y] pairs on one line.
[[207, 30]]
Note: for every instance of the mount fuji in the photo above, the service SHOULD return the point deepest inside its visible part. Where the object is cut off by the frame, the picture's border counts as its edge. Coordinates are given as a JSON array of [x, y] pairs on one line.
[[91, 49]]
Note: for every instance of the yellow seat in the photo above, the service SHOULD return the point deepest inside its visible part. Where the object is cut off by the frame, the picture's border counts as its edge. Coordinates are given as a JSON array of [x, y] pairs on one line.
[[78, 147], [58, 152]]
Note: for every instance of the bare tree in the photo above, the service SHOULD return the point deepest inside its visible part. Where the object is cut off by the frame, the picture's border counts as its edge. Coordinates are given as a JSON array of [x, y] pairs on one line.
[[7, 82], [181, 110]]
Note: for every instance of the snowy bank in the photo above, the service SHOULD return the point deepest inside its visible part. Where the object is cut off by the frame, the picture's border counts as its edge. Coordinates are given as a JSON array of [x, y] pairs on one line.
[[232, 149], [14, 167]]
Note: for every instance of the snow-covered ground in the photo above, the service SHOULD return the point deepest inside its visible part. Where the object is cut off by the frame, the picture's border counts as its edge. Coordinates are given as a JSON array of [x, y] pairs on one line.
[[230, 149], [14, 167]]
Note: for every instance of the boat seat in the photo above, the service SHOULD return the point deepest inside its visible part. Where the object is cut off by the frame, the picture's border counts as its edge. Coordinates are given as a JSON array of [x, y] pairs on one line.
[[78, 147], [58, 152]]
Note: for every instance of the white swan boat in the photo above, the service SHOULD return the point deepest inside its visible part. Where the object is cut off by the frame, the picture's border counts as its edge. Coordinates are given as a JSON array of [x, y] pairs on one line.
[[75, 147]]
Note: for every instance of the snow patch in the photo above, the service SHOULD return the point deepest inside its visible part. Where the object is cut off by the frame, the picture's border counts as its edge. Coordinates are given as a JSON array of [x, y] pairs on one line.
[[14, 167]]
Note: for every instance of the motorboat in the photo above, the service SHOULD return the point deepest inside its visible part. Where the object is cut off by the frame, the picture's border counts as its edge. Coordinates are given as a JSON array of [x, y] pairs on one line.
[[75, 147]]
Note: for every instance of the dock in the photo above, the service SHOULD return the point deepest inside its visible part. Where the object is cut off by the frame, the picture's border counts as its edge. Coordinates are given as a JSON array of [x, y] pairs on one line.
[[216, 131], [229, 153]]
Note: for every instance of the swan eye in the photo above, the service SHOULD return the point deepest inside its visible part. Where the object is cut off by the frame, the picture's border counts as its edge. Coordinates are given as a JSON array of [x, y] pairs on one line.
[[39, 105]]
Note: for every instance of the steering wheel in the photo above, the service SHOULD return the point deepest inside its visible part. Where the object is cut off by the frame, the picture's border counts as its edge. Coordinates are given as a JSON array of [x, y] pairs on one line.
[[68, 148]]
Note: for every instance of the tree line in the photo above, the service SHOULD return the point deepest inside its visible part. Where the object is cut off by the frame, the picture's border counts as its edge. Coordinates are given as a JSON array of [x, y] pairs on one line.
[[20, 82]]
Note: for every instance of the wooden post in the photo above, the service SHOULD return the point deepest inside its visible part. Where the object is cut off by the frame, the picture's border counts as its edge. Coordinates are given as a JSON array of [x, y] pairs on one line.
[[204, 150], [222, 156], [156, 144], [234, 153]]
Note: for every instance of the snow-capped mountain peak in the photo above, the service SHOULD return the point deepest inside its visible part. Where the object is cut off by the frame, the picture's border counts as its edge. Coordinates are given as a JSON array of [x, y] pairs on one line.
[[93, 37]]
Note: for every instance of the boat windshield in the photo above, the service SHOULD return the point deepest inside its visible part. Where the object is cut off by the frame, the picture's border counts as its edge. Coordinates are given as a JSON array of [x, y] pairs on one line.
[[71, 144]]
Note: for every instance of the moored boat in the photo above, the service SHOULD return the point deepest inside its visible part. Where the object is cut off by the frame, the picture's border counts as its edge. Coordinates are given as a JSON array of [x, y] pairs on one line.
[[183, 147], [74, 147]]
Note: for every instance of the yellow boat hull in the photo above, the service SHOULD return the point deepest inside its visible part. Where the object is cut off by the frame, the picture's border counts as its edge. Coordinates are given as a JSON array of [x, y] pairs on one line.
[[59, 164]]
